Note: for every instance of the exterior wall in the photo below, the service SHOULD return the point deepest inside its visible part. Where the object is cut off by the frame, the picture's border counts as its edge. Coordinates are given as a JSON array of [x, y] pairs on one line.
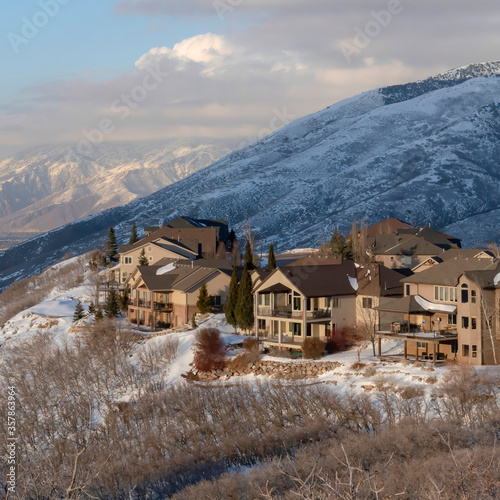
[[153, 254]]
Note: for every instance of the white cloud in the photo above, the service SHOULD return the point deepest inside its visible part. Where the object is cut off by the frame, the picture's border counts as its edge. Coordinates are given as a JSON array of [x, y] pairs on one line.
[[207, 49]]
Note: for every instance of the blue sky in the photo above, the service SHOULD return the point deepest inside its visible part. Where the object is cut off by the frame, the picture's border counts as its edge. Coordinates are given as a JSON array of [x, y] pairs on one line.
[[230, 66]]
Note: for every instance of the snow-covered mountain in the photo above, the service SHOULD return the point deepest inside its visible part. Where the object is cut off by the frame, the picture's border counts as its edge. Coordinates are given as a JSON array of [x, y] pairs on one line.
[[46, 187], [425, 152]]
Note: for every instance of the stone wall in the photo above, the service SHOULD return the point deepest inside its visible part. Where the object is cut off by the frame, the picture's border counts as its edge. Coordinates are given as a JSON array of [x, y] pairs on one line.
[[275, 369]]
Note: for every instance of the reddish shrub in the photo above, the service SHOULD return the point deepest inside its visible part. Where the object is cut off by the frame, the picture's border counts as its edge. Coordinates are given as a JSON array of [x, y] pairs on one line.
[[339, 341], [210, 350], [313, 348]]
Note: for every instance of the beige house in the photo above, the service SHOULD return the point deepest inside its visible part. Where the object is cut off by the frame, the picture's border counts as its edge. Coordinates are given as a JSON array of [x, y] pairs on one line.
[[166, 294], [155, 249], [449, 312], [296, 302]]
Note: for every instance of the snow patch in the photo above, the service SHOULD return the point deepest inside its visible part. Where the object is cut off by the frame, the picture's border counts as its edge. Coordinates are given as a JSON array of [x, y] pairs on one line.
[[427, 305], [165, 269], [353, 282]]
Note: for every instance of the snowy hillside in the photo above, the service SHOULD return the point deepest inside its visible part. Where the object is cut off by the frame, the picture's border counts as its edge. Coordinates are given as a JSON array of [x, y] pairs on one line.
[[46, 187], [425, 152]]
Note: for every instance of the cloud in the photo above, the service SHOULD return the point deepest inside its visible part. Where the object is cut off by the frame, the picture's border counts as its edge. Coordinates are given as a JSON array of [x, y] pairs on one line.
[[267, 55]]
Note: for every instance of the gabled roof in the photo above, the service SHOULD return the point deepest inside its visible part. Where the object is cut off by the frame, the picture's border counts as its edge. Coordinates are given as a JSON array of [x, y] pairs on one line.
[[489, 279], [188, 222], [317, 281], [180, 278], [403, 244], [432, 236], [386, 226], [317, 260], [377, 280], [448, 272]]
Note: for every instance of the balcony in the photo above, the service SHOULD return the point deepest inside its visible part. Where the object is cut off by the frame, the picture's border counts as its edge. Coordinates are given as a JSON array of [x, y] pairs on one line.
[[405, 330], [319, 314], [163, 306]]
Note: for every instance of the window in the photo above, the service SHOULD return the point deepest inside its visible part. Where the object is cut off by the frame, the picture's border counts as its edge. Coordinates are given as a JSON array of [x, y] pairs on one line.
[[127, 260], [465, 351], [445, 293], [452, 319], [473, 323], [215, 300], [407, 289], [421, 345], [335, 302], [150, 258], [367, 302], [465, 294], [297, 329], [473, 296], [474, 351], [465, 322], [296, 302]]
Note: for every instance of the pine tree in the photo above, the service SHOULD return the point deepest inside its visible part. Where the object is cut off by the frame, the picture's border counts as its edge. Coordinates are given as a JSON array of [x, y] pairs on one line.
[[271, 259], [244, 306], [133, 235], [112, 305], [203, 303], [124, 299], [248, 259], [111, 248], [337, 243], [91, 308], [98, 314], [143, 260], [232, 300], [79, 312]]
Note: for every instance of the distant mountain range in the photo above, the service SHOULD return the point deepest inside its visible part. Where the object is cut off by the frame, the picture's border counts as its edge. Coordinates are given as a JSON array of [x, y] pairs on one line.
[[46, 187], [425, 152]]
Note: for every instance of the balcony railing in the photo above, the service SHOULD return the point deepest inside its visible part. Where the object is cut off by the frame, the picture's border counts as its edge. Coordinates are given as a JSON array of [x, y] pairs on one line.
[[163, 306], [319, 314], [417, 331]]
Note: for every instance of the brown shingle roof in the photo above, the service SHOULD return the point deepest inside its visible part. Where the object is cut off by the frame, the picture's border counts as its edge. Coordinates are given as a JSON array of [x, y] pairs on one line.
[[386, 226]]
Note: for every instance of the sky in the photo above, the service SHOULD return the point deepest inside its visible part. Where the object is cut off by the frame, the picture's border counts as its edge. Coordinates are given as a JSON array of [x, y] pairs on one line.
[[78, 71]]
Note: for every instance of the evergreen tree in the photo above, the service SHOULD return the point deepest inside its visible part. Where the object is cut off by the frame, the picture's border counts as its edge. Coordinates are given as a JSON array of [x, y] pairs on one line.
[[124, 299], [79, 312], [230, 240], [232, 300], [244, 306], [91, 308], [271, 260], [248, 259], [98, 314], [112, 305], [143, 260], [348, 252], [337, 243], [133, 235], [203, 303], [193, 322], [111, 248]]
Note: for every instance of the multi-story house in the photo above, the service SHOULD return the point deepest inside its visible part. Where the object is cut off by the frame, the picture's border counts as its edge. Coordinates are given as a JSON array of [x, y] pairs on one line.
[[450, 311], [166, 293]]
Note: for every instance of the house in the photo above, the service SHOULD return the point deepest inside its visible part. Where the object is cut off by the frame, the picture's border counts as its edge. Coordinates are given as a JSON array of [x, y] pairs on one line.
[[166, 293], [156, 246], [386, 226], [449, 312], [300, 301]]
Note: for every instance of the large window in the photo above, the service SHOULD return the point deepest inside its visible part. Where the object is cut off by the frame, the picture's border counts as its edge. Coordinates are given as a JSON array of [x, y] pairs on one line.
[[296, 302], [215, 300], [445, 294], [335, 302], [264, 299], [452, 319], [465, 321], [465, 351], [296, 328]]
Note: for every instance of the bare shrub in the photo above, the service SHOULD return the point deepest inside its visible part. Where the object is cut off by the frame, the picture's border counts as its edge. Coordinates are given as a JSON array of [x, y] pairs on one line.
[[210, 350], [313, 348], [357, 366], [251, 345], [369, 372]]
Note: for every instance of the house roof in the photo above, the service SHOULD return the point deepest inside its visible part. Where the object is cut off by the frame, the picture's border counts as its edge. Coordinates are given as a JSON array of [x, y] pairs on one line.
[[489, 279], [179, 278], [448, 272], [386, 226], [415, 304], [159, 238], [188, 222], [403, 244], [315, 259], [377, 280], [431, 235], [318, 281]]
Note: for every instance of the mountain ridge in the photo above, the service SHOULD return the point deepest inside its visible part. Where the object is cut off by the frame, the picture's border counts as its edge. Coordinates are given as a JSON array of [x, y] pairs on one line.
[[426, 158]]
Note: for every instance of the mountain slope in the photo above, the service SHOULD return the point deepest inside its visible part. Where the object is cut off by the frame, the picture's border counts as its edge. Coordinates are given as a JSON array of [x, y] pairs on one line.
[[46, 187], [426, 152]]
